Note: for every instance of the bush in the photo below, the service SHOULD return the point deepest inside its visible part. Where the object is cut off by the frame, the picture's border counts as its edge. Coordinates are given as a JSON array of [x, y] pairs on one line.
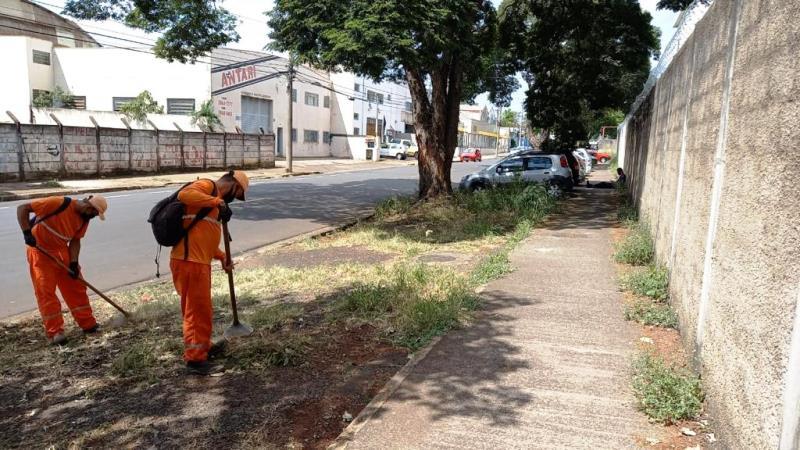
[[637, 248], [666, 394], [647, 312], [651, 282]]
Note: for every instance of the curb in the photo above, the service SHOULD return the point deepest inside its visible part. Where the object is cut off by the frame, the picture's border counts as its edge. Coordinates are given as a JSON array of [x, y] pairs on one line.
[[375, 405], [6, 197]]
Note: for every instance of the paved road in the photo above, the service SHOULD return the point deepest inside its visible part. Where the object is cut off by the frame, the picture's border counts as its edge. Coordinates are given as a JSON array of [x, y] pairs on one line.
[[120, 250]]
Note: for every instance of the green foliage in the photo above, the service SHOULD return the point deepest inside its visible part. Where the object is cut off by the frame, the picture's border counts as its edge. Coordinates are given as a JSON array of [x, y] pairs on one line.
[[648, 312], [637, 248], [135, 361], [509, 118], [274, 317], [579, 58], [138, 108], [677, 5], [58, 98], [666, 394], [206, 117], [652, 282], [187, 29], [282, 351], [627, 212], [604, 118], [394, 206], [491, 268]]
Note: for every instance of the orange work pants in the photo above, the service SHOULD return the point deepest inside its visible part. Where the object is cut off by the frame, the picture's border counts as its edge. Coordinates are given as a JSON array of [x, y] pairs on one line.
[[193, 283], [46, 276]]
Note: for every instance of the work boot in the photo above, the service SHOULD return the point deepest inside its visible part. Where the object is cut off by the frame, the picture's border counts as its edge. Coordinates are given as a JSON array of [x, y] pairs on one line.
[[203, 368], [58, 339], [92, 330], [217, 349]]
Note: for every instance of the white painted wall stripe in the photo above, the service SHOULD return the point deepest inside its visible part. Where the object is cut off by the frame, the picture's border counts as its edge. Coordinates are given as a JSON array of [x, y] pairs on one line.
[[682, 162], [719, 176], [790, 433]]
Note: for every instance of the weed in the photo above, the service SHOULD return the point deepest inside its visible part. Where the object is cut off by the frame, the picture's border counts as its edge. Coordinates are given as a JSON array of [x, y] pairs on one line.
[[157, 310], [666, 393], [135, 361], [51, 184], [396, 205], [491, 268], [627, 213], [274, 317], [282, 351], [637, 248], [652, 282], [648, 312]]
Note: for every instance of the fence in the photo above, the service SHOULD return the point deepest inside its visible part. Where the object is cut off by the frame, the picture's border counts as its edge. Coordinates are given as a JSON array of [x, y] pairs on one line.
[[40, 151], [710, 150]]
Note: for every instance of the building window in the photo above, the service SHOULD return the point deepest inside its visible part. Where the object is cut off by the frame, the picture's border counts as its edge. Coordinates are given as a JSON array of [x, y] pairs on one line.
[[119, 101], [79, 101], [294, 134], [374, 97], [326, 137], [326, 101], [294, 95], [183, 106], [311, 136], [357, 87], [40, 57], [355, 116], [408, 106], [312, 99], [356, 131]]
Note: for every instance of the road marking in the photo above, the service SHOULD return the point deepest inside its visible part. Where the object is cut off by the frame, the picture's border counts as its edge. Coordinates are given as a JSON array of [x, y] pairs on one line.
[[5, 207], [119, 196]]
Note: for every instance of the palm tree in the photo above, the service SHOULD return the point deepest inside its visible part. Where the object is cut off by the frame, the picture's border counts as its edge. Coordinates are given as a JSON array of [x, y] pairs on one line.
[[205, 117]]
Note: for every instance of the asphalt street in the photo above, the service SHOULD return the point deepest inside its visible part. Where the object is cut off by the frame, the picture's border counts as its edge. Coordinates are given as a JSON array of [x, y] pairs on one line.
[[121, 250]]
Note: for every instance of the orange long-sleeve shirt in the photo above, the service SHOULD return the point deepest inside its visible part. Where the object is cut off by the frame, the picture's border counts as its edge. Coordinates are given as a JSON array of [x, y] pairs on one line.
[[54, 234], [204, 237]]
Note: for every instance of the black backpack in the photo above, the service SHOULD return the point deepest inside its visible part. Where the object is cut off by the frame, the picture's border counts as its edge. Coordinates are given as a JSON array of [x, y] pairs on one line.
[[166, 219]]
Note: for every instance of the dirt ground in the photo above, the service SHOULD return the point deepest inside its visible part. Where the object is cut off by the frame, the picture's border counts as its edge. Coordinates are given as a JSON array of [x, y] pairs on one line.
[[667, 343]]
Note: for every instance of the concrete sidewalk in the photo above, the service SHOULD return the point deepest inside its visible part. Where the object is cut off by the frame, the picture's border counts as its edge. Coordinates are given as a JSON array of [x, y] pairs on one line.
[[545, 365], [36, 189]]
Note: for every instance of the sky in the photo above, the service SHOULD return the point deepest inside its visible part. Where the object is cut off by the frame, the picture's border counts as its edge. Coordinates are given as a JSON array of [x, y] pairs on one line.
[[253, 30]]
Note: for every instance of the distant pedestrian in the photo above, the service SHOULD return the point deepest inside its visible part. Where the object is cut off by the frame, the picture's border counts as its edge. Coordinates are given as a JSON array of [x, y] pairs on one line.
[[622, 179], [57, 227]]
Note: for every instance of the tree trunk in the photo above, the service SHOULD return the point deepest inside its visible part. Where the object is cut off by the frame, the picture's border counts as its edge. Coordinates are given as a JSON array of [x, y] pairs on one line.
[[436, 126]]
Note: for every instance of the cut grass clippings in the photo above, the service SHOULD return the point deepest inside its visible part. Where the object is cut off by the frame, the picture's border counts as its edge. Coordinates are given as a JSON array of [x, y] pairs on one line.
[[666, 393]]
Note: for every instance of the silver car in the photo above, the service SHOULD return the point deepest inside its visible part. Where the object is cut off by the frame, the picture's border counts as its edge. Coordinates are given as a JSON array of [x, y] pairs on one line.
[[551, 170]]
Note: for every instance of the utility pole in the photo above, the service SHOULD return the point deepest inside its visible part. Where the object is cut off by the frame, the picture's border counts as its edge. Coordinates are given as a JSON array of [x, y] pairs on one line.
[[376, 155], [497, 139], [290, 88]]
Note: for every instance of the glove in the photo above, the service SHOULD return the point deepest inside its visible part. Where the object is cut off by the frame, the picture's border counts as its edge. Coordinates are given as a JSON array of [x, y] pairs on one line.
[[225, 213], [74, 270], [29, 239]]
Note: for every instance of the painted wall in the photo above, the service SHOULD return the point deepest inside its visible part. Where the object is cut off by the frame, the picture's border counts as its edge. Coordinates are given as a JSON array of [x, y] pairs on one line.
[[711, 156]]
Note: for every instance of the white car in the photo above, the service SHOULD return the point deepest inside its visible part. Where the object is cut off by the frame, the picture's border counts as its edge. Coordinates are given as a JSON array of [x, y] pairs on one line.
[[586, 157], [393, 150]]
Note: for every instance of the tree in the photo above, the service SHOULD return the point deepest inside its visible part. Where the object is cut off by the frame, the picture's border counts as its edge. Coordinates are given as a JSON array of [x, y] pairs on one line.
[[56, 99], [678, 5], [509, 118], [206, 117], [580, 58], [138, 108], [607, 117], [189, 29], [444, 49]]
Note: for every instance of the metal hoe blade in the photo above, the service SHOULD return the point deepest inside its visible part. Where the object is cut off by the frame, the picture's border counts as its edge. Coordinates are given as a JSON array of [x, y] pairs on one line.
[[237, 330]]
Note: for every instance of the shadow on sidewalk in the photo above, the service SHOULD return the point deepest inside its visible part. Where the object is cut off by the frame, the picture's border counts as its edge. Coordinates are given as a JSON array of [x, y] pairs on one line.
[[464, 375]]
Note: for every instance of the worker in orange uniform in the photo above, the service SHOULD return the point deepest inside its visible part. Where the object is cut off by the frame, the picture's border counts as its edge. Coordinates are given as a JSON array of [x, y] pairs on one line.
[[57, 228], [190, 261]]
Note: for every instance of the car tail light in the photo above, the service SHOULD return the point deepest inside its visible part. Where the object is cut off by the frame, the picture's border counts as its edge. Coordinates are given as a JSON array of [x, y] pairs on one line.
[[564, 162]]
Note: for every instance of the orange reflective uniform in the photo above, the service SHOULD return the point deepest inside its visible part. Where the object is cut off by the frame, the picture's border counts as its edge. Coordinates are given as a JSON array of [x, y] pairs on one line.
[[53, 235], [192, 276]]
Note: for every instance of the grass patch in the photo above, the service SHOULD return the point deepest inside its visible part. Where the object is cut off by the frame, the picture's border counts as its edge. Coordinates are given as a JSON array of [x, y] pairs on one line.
[[648, 312], [283, 351], [137, 360], [274, 317], [491, 268], [51, 184], [637, 248], [393, 206], [413, 304], [652, 282], [666, 393]]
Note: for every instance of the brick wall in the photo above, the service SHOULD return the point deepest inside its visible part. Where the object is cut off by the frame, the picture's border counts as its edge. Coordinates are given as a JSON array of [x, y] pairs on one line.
[[49, 151]]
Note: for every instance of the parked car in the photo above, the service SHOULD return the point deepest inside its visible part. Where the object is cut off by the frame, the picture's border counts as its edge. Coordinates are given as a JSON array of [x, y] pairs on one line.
[[393, 150], [600, 157], [585, 157], [411, 148], [552, 170], [520, 149], [470, 154]]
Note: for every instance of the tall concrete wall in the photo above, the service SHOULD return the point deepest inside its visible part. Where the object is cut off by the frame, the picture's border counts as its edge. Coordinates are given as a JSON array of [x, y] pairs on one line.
[[712, 158], [43, 151]]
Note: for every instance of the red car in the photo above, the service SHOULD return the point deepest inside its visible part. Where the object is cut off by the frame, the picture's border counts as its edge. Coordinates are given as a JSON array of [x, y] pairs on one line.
[[600, 156], [470, 154]]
